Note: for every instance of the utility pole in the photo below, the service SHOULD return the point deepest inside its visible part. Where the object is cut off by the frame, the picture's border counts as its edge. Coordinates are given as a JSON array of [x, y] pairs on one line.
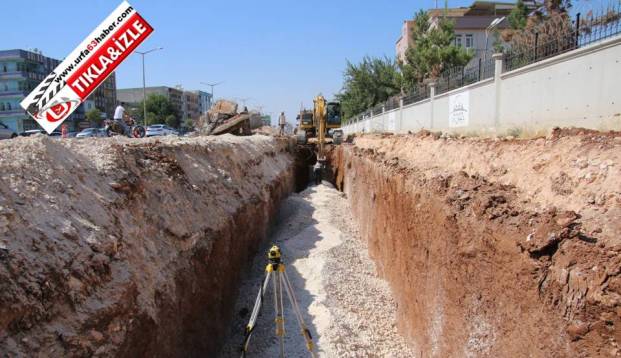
[[243, 100], [212, 85], [489, 29], [144, 85]]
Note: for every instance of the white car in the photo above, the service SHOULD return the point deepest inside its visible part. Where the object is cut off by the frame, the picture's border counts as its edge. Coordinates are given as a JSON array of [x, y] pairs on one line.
[[31, 132], [159, 130], [6, 132], [89, 133]]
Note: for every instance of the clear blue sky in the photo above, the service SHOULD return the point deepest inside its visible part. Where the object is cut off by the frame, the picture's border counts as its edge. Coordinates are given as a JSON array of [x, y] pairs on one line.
[[277, 52]]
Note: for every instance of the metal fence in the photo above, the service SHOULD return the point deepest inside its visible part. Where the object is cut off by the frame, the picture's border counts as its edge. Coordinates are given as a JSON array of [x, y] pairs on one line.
[[456, 77], [540, 44], [417, 94]]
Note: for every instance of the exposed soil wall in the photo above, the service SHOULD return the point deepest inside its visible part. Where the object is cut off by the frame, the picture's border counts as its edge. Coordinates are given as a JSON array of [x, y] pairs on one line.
[[482, 264], [113, 247]]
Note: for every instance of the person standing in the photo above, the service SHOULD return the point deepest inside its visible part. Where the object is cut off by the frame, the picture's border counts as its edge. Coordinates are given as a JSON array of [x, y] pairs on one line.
[[281, 122]]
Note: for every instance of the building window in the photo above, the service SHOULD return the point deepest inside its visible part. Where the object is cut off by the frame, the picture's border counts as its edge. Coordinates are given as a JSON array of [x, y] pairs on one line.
[[458, 41], [8, 106], [4, 69], [1, 107], [469, 41]]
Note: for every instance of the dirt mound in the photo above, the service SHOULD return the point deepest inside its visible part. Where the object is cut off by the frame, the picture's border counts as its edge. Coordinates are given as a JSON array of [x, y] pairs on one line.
[[573, 169], [494, 248], [130, 248]]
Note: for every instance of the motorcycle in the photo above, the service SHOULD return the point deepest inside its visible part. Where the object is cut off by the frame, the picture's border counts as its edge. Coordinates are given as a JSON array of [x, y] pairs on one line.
[[113, 128]]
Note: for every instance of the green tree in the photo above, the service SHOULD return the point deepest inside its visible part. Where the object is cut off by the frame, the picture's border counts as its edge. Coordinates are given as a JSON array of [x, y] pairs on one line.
[[151, 118], [433, 51], [172, 121], [94, 116], [135, 110], [159, 109], [518, 16], [188, 124], [367, 84]]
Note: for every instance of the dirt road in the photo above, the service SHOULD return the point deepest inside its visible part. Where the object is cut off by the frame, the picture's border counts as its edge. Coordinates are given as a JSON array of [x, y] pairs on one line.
[[349, 310]]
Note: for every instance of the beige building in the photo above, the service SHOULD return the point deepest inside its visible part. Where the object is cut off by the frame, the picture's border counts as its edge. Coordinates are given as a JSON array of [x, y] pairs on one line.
[[191, 106], [471, 24], [405, 40]]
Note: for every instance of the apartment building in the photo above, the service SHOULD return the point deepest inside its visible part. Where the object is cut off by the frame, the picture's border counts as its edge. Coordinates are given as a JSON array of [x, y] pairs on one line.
[[189, 104]]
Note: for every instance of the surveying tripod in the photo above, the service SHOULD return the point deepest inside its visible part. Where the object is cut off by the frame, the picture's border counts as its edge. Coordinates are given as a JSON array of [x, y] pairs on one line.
[[276, 269]]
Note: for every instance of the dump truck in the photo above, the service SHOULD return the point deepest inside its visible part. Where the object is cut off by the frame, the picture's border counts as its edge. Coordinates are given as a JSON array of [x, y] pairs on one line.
[[305, 123]]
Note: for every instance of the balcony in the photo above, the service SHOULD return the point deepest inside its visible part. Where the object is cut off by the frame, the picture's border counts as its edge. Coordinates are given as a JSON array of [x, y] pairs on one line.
[[22, 74], [13, 112], [13, 93]]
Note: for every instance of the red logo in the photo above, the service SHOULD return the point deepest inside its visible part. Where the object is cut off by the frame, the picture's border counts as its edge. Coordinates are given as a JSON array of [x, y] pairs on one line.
[[58, 112]]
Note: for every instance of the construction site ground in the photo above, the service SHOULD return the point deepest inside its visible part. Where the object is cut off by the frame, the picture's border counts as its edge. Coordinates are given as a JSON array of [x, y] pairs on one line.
[[430, 246]]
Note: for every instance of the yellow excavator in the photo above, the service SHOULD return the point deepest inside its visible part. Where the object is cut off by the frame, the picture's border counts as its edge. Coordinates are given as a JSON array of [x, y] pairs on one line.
[[326, 121]]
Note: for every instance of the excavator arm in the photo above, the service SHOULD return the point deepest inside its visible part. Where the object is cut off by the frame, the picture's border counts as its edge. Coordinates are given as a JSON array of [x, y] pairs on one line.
[[320, 122]]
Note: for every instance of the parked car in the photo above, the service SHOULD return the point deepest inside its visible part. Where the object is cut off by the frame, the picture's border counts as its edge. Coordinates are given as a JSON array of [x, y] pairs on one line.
[[30, 132], [6, 132], [159, 130], [89, 133]]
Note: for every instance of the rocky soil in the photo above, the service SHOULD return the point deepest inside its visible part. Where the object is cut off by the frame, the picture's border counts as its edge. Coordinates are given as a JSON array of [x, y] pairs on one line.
[[494, 248], [119, 247]]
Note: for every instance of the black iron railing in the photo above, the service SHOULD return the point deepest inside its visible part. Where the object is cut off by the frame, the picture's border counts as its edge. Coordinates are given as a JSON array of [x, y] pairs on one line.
[[456, 77]]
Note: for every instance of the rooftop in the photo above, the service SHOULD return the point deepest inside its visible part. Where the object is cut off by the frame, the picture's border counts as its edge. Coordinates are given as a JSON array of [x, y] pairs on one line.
[[479, 15], [478, 8]]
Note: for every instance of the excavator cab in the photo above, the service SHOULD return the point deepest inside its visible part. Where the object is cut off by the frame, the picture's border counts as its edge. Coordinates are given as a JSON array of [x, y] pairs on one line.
[[333, 115], [333, 122]]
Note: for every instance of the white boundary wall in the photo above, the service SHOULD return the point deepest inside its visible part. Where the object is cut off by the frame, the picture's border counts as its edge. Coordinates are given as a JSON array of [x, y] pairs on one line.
[[580, 88]]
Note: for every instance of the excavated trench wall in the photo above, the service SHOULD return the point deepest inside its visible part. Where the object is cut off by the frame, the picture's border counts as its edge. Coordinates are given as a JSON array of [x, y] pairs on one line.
[[112, 247], [474, 269]]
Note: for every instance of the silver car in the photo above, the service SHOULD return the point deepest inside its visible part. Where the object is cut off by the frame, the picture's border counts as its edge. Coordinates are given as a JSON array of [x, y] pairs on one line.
[[160, 129], [6, 132], [89, 133], [30, 132]]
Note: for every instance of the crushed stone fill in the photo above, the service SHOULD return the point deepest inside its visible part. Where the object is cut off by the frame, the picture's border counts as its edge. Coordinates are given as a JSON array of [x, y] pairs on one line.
[[349, 310]]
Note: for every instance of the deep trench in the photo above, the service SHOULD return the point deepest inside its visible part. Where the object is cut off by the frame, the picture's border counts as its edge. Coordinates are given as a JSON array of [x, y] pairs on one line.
[[464, 282], [452, 248]]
